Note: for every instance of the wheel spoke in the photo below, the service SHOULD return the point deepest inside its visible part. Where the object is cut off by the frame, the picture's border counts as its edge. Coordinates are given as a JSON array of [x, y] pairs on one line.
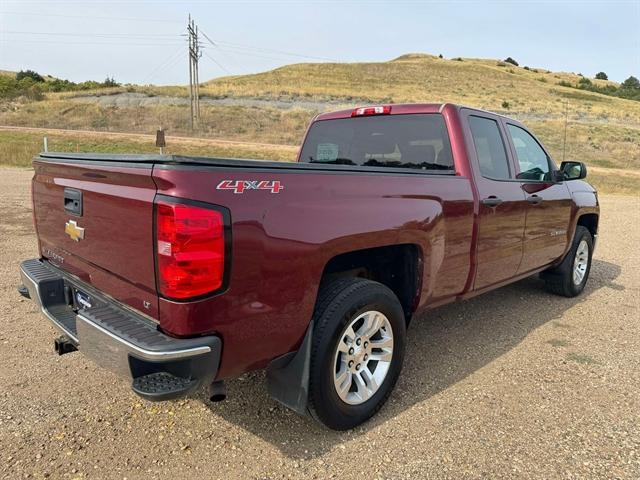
[[349, 334], [384, 342], [384, 356], [343, 383], [362, 389], [343, 347], [371, 325], [368, 377]]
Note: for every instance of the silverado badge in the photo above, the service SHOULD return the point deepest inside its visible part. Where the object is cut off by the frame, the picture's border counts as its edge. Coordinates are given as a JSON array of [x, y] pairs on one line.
[[72, 229]]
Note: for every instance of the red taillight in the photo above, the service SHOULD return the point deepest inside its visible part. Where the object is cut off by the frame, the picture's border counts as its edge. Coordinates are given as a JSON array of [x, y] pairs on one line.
[[365, 111], [190, 250]]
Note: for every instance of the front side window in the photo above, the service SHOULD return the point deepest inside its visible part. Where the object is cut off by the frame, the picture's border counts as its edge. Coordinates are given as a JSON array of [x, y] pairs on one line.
[[416, 141], [490, 150], [533, 160]]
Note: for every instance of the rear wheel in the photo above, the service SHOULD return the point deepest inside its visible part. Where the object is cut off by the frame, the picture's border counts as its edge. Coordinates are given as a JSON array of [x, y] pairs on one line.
[[570, 277], [357, 352]]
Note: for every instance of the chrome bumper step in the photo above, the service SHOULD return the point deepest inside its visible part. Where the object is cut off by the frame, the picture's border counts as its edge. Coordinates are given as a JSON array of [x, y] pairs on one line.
[[160, 367]]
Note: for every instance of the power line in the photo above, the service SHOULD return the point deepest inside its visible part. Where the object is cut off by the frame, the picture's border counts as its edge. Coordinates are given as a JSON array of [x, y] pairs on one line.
[[167, 62], [124, 44], [217, 63], [221, 43], [92, 34], [34, 14], [271, 50], [253, 54]]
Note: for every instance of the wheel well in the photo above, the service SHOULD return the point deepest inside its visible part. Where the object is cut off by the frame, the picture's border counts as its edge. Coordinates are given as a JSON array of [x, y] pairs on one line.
[[590, 222], [396, 266]]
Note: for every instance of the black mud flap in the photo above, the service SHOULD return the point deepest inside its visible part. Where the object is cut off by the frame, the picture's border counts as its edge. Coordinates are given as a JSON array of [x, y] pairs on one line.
[[288, 376]]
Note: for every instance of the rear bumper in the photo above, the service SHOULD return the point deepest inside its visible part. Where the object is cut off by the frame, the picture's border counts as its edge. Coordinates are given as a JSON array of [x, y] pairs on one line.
[[119, 339]]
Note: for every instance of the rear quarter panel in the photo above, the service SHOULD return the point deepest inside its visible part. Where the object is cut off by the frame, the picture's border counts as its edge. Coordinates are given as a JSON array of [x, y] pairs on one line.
[[282, 242]]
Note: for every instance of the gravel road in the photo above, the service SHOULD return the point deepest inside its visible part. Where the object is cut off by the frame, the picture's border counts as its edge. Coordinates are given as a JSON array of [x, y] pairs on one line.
[[513, 384]]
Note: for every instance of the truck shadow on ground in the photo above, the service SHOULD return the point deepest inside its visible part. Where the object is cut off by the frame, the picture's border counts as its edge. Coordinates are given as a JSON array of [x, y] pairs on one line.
[[444, 346]]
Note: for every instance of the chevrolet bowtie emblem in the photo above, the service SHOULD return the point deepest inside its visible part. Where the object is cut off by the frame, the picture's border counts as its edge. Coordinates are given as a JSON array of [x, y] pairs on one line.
[[74, 231]]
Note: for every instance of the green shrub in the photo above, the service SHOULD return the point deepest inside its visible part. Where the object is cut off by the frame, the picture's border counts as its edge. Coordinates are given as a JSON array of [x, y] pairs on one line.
[[505, 105], [110, 82], [32, 85], [511, 61], [11, 88], [629, 89], [35, 76], [631, 82], [602, 76]]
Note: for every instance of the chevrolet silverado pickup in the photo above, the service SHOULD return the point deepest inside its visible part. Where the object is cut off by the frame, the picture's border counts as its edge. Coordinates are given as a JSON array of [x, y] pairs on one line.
[[180, 272]]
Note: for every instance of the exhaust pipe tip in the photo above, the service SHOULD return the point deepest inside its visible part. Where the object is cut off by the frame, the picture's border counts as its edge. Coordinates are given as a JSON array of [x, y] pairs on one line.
[[64, 345], [24, 291], [217, 391]]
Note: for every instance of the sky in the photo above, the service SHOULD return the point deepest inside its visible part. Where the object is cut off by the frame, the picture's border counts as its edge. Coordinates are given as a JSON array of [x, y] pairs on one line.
[[143, 41]]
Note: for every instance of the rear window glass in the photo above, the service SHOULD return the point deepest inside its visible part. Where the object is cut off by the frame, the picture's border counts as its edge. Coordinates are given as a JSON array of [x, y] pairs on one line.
[[418, 141]]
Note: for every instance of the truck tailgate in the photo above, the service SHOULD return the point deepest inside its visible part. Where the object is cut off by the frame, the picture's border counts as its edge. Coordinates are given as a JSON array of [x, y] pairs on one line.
[[108, 240]]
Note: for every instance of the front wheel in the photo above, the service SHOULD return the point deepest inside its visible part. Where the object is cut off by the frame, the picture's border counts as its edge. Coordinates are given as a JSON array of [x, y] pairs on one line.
[[570, 277], [357, 352]]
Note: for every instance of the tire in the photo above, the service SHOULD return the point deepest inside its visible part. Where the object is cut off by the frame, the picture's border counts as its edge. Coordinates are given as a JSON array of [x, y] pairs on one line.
[[341, 302], [560, 280]]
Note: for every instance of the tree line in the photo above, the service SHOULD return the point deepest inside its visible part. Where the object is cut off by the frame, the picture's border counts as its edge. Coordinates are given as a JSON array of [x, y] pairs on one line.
[[32, 85]]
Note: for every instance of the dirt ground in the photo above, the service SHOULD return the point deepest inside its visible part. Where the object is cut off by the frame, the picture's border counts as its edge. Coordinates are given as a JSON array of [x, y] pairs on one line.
[[513, 384]]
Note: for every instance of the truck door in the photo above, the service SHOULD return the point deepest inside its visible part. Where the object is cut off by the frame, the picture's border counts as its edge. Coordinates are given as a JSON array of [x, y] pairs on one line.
[[548, 203], [502, 208]]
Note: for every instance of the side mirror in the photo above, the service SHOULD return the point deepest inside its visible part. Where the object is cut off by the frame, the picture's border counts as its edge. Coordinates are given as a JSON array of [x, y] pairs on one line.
[[573, 170]]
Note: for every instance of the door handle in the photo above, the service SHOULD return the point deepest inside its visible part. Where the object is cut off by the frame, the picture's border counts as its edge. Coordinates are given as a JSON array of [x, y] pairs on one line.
[[534, 199], [492, 201]]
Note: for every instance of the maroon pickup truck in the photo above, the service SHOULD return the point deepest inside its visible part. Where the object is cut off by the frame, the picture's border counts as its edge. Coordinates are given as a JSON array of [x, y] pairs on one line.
[[179, 272]]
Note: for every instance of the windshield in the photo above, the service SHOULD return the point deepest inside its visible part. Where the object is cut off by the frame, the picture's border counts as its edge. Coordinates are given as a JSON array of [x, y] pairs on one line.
[[417, 141]]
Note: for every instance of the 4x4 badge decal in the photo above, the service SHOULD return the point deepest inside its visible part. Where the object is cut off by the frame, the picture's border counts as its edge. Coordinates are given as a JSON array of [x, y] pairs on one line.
[[240, 186]]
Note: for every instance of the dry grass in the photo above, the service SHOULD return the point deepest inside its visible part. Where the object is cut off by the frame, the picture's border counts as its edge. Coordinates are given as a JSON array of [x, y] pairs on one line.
[[597, 144], [614, 182], [267, 125], [18, 149], [424, 78]]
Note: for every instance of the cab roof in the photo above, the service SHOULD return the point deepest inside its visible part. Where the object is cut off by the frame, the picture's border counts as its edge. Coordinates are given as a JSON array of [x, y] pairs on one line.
[[401, 109]]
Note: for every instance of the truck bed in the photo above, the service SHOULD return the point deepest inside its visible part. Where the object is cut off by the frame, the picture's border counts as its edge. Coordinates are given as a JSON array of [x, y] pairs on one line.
[[230, 163]]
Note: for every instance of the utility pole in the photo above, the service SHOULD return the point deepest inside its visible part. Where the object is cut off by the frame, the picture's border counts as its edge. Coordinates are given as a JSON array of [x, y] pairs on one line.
[[194, 81]]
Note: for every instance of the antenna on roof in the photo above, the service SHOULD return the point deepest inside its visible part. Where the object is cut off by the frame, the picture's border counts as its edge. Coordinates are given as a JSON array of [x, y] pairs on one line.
[[566, 122]]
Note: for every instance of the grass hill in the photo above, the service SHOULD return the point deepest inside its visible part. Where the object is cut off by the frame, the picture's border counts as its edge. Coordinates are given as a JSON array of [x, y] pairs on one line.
[[276, 106], [488, 84]]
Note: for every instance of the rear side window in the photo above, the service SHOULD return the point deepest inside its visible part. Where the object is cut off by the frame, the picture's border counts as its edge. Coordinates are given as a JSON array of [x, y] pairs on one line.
[[417, 141], [492, 155]]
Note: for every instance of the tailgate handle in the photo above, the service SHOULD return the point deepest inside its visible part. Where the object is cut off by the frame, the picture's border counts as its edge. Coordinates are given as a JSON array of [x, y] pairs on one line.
[[73, 201]]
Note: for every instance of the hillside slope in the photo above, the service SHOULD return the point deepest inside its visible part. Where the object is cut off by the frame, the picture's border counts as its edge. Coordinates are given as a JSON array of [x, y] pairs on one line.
[[488, 84]]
